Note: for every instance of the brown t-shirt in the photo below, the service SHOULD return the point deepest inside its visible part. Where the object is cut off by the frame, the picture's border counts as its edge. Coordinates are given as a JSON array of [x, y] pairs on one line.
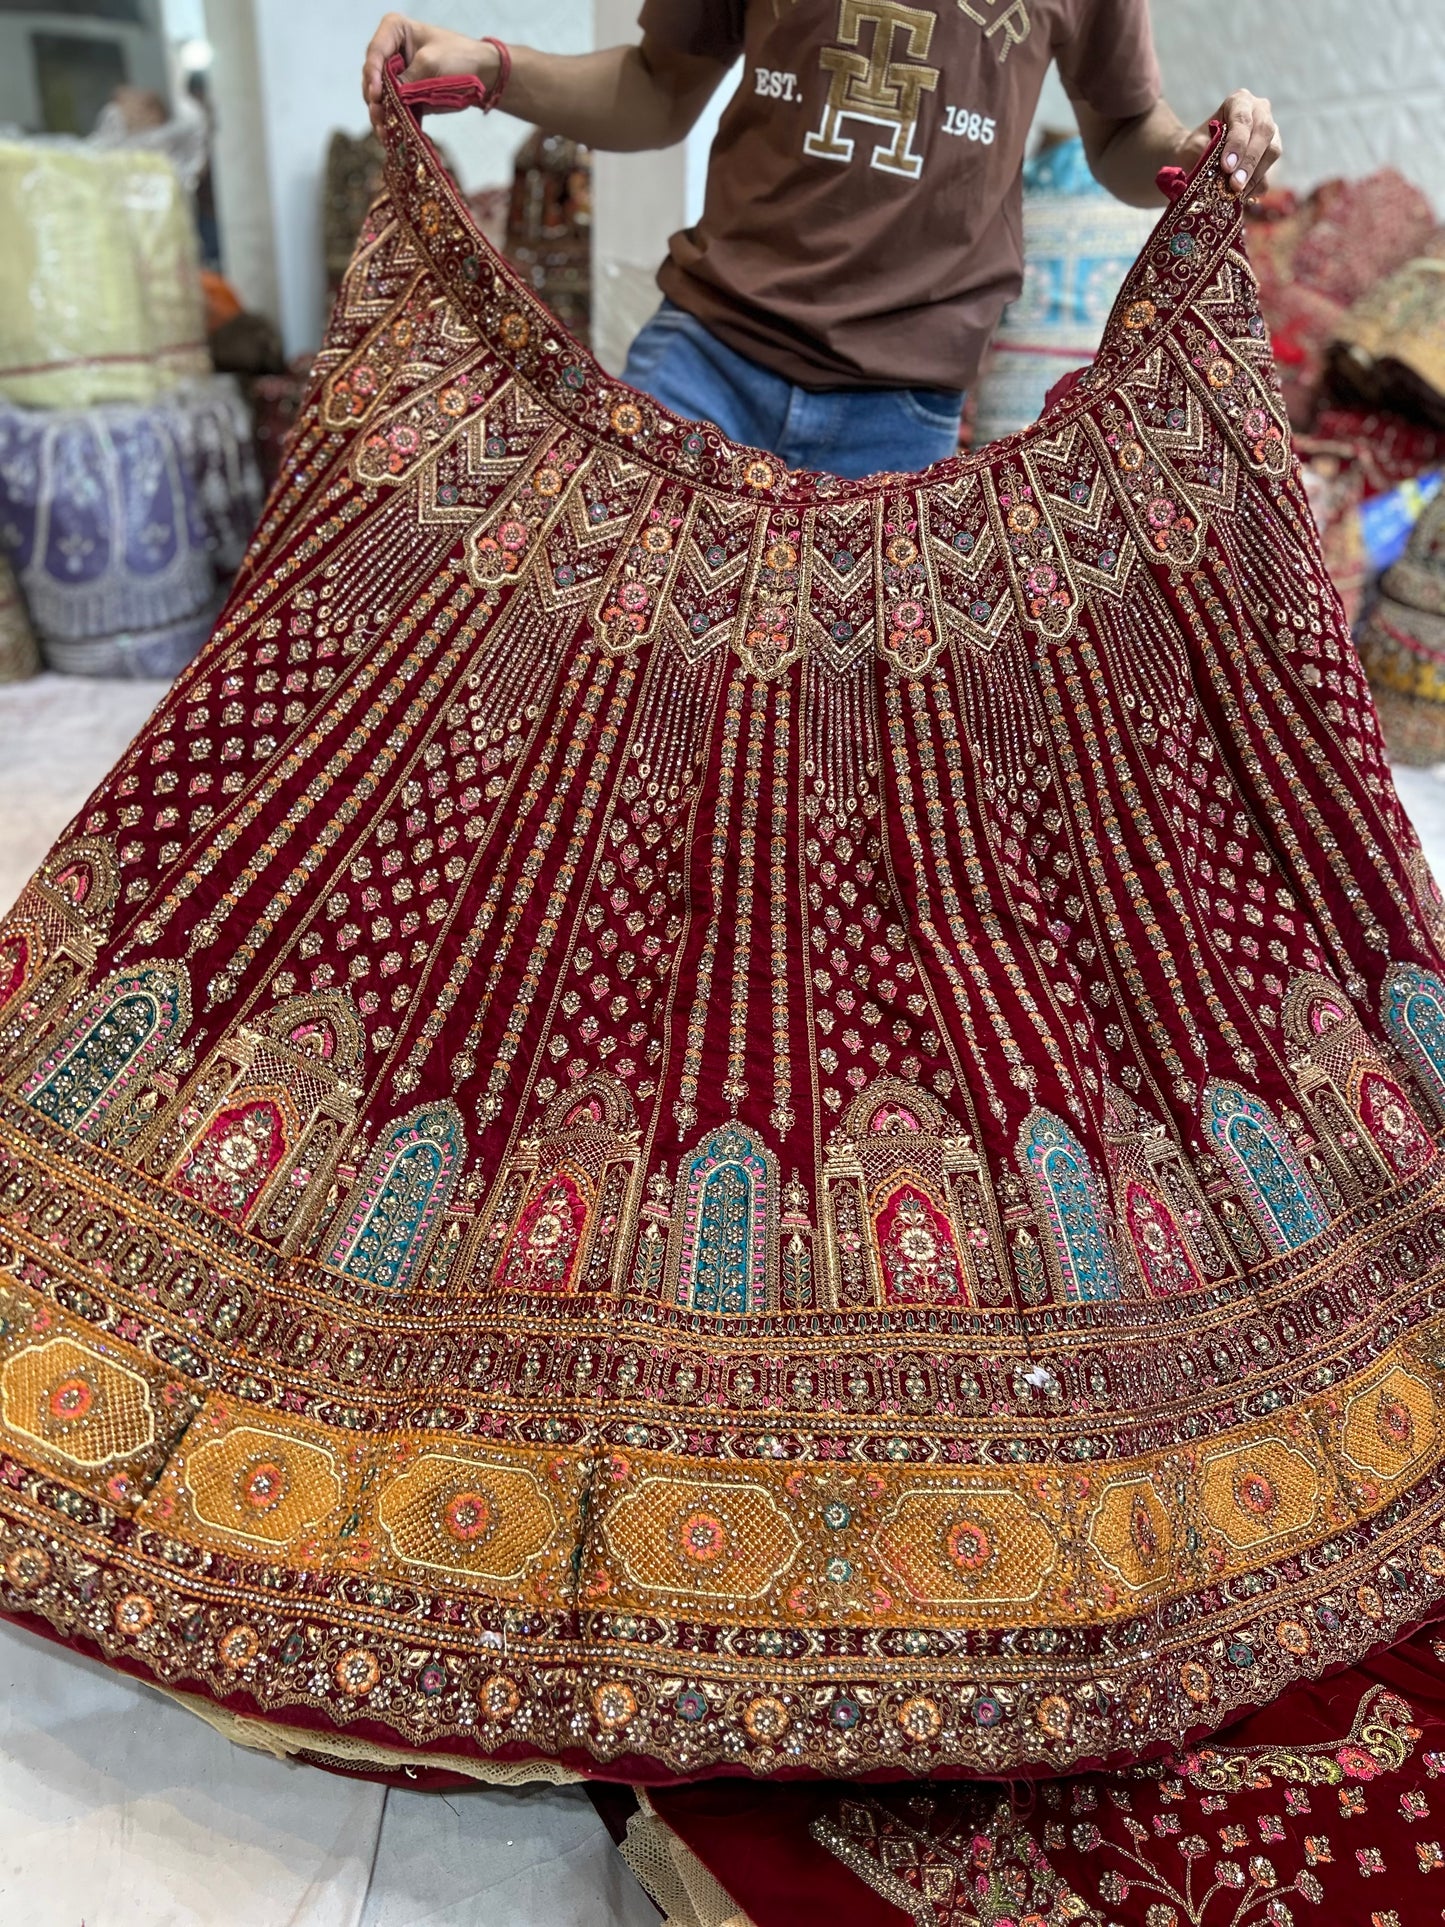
[[861, 226]]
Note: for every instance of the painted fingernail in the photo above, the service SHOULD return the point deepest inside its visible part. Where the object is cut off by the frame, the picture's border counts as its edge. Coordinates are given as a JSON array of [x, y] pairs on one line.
[[1240, 176], [1231, 160]]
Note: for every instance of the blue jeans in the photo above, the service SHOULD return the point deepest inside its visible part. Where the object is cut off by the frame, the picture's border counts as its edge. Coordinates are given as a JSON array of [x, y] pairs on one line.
[[844, 431]]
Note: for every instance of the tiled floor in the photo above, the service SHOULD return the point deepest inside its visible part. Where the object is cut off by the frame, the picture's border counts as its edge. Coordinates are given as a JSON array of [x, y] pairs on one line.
[[115, 1806], [58, 737], [119, 1809]]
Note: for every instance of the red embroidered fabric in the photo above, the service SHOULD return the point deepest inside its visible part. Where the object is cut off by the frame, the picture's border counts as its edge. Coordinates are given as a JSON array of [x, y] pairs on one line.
[[689, 1119], [1328, 1800]]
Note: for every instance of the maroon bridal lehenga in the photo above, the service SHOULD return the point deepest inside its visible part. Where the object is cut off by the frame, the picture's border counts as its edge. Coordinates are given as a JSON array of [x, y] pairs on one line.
[[686, 1122]]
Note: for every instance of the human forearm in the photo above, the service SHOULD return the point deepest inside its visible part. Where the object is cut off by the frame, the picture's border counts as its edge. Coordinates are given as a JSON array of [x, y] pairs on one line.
[[613, 99], [620, 98], [1126, 155]]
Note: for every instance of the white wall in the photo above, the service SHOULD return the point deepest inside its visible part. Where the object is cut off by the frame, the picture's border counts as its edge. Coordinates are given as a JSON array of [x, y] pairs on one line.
[[19, 97], [250, 242], [1355, 84], [307, 81]]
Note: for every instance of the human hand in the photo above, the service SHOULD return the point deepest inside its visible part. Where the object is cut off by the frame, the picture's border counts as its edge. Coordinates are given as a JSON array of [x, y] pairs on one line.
[[1251, 143], [428, 51]]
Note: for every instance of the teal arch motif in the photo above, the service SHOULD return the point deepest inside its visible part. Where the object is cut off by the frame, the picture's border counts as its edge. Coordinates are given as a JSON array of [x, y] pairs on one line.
[[404, 1189], [1414, 1015], [1065, 1184], [121, 1029], [728, 1188], [1257, 1153]]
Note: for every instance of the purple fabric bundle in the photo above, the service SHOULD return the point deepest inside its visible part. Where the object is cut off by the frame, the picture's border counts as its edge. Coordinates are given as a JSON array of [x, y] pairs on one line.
[[122, 522]]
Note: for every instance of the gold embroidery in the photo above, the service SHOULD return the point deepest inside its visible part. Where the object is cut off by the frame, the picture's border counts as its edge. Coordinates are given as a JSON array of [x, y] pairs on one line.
[[1013, 23], [874, 87]]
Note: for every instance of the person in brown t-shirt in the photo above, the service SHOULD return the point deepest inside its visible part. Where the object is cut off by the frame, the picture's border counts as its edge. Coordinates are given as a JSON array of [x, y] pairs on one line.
[[861, 230]]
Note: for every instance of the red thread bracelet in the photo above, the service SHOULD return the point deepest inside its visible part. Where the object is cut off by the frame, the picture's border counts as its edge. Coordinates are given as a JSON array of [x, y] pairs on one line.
[[491, 96]]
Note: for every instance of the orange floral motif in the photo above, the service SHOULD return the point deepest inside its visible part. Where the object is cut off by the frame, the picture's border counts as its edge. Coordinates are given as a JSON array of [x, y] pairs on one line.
[[766, 1717], [703, 1538], [467, 1515], [28, 1568], [499, 1697], [71, 1399], [920, 1717], [238, 1648], [264, 1485], [134, 1612], [357, 1672], [615, 1705]]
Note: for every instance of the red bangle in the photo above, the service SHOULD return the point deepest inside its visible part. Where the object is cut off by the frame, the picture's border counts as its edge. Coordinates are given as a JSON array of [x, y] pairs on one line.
[[491, 96]]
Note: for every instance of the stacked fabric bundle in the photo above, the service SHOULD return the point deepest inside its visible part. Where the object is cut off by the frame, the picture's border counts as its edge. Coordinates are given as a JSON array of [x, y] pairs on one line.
[[1316, 258], [1079, 243], [19, 657], [1352, 286], [100, 299], [1402, 645], [1391, 345], [128, 479], [121, 519]]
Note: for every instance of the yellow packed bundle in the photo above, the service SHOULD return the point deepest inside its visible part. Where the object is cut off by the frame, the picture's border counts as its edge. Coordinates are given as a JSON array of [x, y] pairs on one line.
[[100, 299]]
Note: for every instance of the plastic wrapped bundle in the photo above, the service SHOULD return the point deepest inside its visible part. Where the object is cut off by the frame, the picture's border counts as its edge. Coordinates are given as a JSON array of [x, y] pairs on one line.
[[1402, 645], [118, 519], [100, 299], [1079, 244], [1390, 347], [19, 657]]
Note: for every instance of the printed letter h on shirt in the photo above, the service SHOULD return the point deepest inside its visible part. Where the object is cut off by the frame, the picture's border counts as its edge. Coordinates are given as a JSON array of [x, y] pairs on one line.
[[874, 87]]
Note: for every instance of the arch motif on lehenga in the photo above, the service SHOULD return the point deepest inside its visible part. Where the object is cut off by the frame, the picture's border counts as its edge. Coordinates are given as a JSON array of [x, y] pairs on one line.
[[726, 1225], [120, 1030], [1395, 1126], [1370, 1133], [563, 1207], [543, 1251], [1071, 1203], [1266, 1168], [255, 1133], [1161, 1251], [909, 1216], [233, 1160], [1166, 1222], [48, 942], [917, 1246], [19, 956], [386, 1228], [1413, 1010]]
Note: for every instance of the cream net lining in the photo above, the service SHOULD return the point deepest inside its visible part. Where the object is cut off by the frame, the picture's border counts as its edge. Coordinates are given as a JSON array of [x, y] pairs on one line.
[[673, 1875], [285, 1742]]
